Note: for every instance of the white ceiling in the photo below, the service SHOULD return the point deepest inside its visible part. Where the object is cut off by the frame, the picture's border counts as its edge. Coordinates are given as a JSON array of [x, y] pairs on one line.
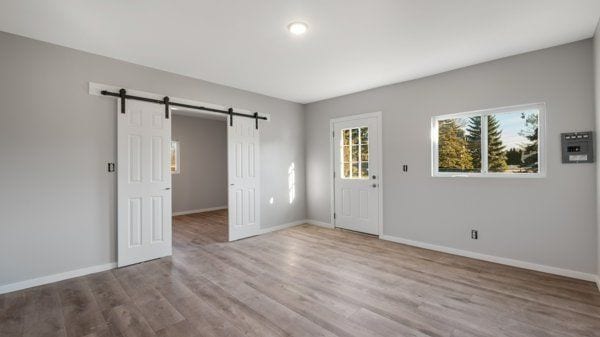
[[351, 45]]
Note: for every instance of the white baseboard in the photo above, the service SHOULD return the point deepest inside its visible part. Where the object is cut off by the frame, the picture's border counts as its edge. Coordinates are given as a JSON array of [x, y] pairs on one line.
[[55, 277], [279, 227], [495, 259], [200, 210], [515, 263], [296, 223], [318, 223]]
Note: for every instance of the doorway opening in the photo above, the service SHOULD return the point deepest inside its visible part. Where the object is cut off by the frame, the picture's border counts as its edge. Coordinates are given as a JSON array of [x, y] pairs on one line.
[[144, 179], [199, 177]]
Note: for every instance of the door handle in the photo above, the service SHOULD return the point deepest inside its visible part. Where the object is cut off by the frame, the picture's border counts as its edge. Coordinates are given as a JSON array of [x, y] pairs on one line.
[[167, 189], [374, 185]]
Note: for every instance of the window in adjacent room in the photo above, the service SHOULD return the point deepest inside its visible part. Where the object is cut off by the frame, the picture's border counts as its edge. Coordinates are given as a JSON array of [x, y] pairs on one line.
[[175, 157], [504, 142]]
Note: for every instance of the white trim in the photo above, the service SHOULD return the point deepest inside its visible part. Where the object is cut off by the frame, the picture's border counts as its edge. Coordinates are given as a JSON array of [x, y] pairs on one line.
[[379, 116], [542, 126], [332, 172], [319, 223], [280, 227], [55, 277], [201, 210], [296, 223], [490, 258], [7, 288]]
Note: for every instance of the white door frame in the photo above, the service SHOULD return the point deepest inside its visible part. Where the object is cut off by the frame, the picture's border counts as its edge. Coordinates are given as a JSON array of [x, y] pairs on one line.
[[96, 89], [332, 148]]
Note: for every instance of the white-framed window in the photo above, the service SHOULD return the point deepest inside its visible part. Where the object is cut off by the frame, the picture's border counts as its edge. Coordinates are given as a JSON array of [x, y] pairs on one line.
[[502, 142], [175, 157]]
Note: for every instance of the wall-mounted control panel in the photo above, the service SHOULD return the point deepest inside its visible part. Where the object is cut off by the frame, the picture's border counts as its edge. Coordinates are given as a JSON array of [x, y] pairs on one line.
[[577, 147]]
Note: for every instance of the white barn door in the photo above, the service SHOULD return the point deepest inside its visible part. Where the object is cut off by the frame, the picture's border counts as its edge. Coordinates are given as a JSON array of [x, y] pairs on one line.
[[244, 183], [144, 183]]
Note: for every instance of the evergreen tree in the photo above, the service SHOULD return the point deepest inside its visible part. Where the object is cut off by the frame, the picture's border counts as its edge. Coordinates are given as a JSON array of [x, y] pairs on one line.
[[496, 150], [452, 147], [513, 156], [530, 149], [474, 141]]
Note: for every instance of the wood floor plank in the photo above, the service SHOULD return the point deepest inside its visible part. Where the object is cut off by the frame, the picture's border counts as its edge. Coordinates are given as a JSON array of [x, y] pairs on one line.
[[127, 321], [182, 328], [159, 313], [303, 281], [80, 311], [44, 316], [107, 291], [12, 313]]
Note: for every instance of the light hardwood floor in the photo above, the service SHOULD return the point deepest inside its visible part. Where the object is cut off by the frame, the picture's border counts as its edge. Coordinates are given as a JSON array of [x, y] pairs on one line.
[[303, 281]]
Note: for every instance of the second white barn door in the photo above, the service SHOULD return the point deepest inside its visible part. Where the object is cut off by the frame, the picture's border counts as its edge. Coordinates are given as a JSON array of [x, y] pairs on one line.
[[357, 174], [144, 183], [244, 182]]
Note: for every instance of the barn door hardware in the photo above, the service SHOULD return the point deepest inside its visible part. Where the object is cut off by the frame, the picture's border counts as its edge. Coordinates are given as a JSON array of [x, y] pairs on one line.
[[122, 95], [166, 102]]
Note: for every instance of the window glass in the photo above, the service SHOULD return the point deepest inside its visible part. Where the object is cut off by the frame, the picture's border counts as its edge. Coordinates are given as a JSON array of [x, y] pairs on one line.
[[174, 157], [513, 142], [355, 153], [459, 144]]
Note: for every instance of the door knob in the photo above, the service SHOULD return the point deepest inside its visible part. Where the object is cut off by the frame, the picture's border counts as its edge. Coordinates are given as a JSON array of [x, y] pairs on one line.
[[374, 185], [168, 188]]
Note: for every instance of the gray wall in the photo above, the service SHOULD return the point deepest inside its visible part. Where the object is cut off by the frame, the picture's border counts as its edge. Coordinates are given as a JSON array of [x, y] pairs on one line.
[[597, 96], [550, 221], [202, 180], [57, 202]]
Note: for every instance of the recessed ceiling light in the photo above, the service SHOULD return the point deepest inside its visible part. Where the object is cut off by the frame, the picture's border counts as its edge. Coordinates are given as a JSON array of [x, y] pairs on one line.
[[297, 28]]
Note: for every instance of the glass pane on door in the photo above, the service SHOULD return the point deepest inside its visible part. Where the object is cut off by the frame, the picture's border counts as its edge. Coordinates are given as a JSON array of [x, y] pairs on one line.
[[354, 149]]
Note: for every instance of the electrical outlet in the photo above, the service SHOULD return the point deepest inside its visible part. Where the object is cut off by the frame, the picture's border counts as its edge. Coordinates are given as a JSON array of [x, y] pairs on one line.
[[474, 234]]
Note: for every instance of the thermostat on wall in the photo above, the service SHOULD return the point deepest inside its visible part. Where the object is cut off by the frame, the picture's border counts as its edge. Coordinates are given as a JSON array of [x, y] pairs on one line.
[[577, 147]]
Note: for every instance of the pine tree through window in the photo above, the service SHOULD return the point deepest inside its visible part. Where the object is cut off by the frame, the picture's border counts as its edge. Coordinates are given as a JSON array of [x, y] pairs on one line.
[[496, 142], [355, 153]]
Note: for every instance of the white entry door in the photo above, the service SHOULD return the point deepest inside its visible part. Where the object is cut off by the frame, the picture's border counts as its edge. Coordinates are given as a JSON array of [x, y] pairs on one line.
[[244, 183], [144, 183], [356, 170]]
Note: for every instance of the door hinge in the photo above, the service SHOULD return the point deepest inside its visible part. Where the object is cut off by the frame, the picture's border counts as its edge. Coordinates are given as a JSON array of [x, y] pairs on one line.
[[334, 174], [333, 134], [334, 215]]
